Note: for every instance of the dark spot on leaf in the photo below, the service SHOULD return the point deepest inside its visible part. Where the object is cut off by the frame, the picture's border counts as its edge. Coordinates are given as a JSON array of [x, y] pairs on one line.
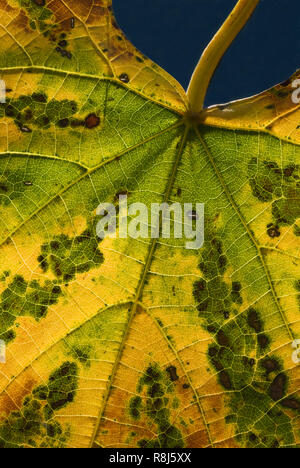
[[56, 290], [10, 111], [3, 187], [92, 121], [273, 231], [263, 341], [254, 320], [278, 386], [282, 94], [124, 78], [25, 129], [222, 106], [172, 371], [135, 407], [252, 437], [291, 403], [286, 82], [225, 380], [270, 365], [28, 114], [63, 123], [77, 123], [222, 261], [39, 97], [288, 171], [222, 339], [236, 286], [212, 351]]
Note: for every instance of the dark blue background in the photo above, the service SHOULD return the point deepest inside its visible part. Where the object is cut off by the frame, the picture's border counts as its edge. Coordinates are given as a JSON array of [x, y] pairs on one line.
[[173, 33]]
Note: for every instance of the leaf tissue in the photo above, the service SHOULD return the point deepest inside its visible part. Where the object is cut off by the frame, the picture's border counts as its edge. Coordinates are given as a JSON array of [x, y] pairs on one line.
[[130, 341]]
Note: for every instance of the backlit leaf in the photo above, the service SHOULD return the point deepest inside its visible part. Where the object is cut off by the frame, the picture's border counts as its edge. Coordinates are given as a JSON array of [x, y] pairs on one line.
[[140, 342]]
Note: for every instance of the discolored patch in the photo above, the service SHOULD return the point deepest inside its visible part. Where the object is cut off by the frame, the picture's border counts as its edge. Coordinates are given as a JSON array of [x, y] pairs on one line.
[[265, 179], [124, 78], [236, 293], [263, 341], [291, 403], [39, 15], [36, 111], [61, 387], [66, 257], [82, 353], [278, 387], [254, 320], [223, 339], [273, 231], [92, 121], [172, 371], [154, 401], [40, 2], [33, 425], [225, 380], [270, 183], [22, 298], [135, 406], [270, 365]]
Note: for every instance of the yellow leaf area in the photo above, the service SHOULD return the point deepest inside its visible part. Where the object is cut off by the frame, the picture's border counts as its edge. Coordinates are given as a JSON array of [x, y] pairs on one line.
[[275, 111], [137, 342]]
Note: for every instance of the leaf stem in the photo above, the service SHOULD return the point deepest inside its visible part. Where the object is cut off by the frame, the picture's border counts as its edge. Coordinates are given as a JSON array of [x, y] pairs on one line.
[[214, 52]]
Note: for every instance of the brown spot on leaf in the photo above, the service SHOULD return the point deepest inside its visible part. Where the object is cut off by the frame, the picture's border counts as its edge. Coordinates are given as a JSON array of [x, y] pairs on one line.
[[222, 339], [263, 341], [286, 82], [277, 387], [225, 380], [63, 123], [92, 121], [172, 371], [39, 97], [124, 78], [212, 351], [291, 403], [273, 231], [270, 365], [289, 171], [25, 129], [254, 320]]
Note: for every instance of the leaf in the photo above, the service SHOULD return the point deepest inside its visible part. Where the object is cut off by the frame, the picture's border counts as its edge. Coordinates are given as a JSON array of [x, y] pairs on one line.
[[140, 342]]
